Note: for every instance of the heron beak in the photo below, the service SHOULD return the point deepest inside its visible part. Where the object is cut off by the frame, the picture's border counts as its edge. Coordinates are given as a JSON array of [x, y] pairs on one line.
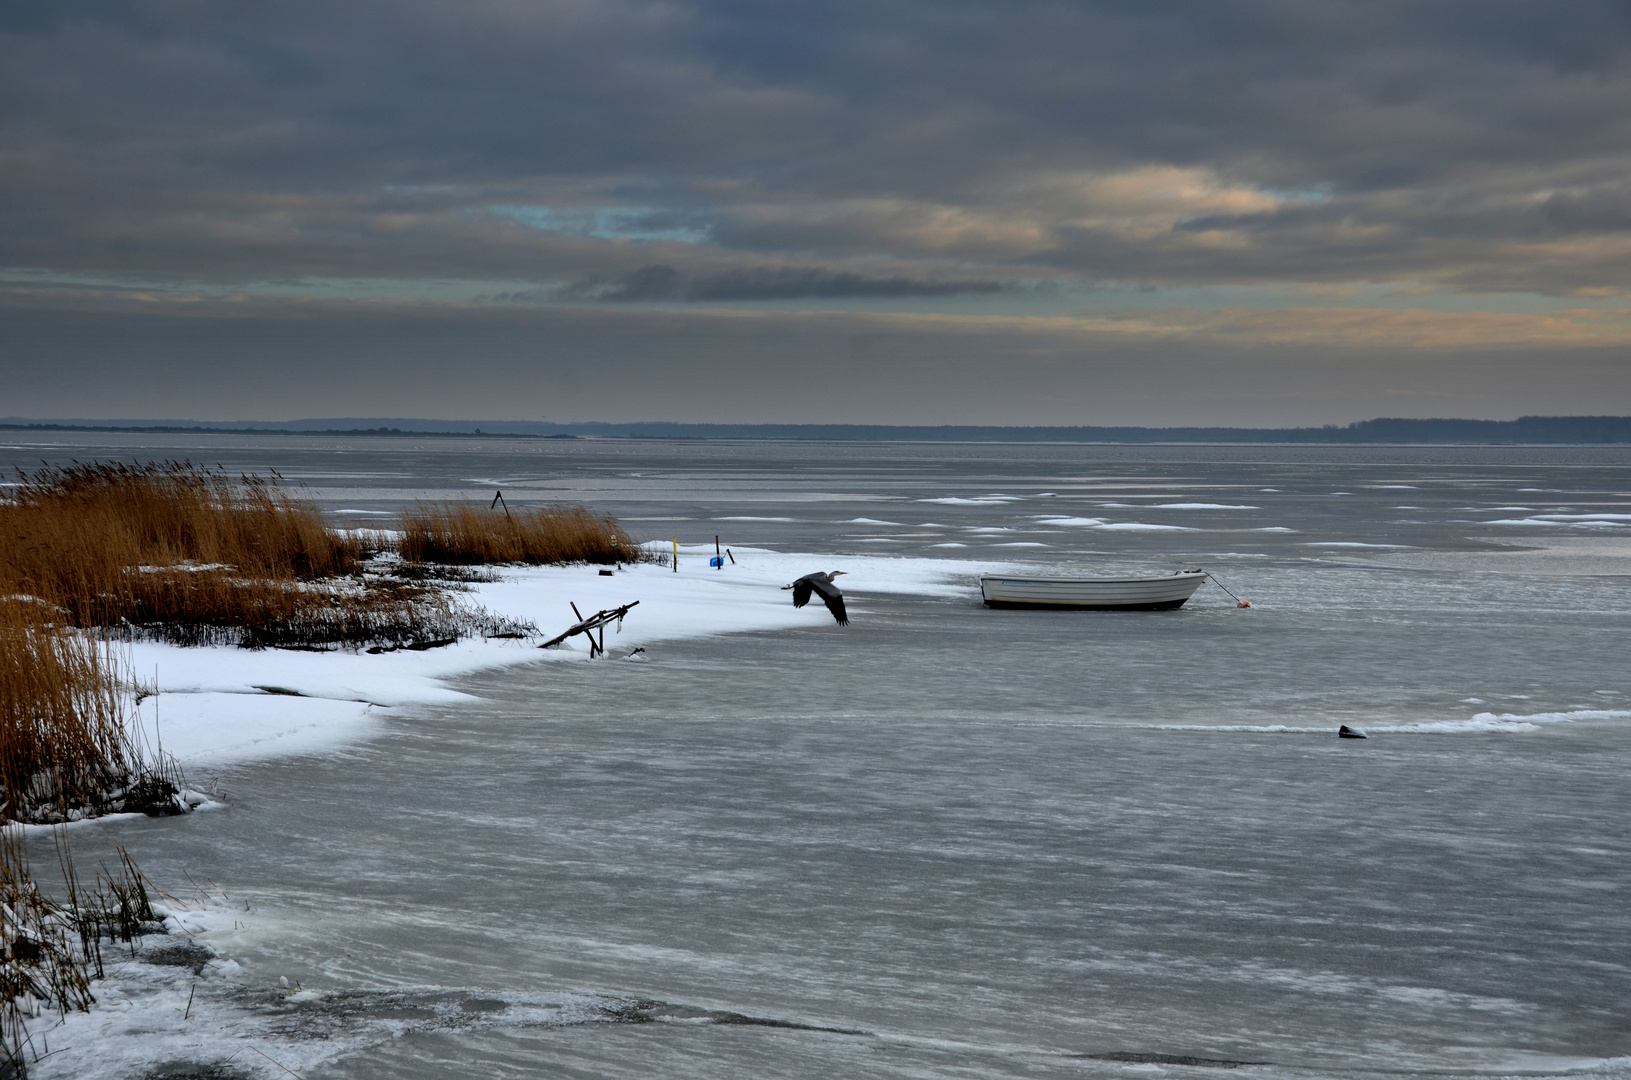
[[786, 587]]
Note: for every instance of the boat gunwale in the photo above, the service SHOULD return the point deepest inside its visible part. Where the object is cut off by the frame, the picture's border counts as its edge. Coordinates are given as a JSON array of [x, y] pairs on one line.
[[1094, 581]]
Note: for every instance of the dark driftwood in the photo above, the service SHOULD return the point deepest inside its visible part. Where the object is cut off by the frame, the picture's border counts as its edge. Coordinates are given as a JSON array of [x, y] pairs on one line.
[[588, 626]]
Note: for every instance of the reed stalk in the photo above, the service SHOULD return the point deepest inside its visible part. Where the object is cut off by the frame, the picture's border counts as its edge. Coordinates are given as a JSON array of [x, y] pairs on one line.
[[50, 946]]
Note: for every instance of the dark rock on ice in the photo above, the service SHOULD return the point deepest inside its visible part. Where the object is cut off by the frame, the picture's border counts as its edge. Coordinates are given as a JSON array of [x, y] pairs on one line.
[[1346, 732], [184, 1070], [178, 952]]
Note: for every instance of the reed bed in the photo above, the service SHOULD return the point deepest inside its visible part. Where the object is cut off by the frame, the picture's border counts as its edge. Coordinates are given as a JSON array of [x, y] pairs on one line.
[[464, 534], [193, 556], [78, 532], [67, 746], [196, 557]]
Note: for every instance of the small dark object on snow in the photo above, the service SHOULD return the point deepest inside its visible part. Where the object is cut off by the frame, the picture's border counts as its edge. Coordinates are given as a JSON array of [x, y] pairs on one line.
[[820, 584], [413, 646], [605, 573], [1346, 732]]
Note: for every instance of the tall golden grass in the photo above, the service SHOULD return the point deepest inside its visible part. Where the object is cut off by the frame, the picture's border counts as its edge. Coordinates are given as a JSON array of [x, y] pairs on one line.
[[67, 743], [169, 545], [195, 556], [67, 750], [463, 534], [63, 731]]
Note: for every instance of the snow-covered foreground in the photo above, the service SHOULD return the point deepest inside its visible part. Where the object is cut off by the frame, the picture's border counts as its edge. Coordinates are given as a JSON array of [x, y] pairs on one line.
[[228, 704]]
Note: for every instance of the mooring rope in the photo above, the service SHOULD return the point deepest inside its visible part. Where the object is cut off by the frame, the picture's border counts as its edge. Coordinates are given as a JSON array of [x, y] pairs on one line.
[[1238, 601]]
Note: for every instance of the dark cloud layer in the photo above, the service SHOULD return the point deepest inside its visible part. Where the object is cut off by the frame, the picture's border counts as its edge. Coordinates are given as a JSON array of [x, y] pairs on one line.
[[527, 363], [626, 152], [664, 283], [287, 138]]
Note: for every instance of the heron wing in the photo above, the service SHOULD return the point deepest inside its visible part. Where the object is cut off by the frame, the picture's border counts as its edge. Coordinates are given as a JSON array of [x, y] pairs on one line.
[[801, 592], [832, 598]]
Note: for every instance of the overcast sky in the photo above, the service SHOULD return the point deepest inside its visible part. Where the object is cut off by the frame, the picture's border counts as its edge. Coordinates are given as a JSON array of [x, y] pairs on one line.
[[939, 212]]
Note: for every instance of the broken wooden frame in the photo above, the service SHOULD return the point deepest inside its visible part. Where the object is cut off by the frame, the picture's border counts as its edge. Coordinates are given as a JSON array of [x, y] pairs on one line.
[[587, 628]]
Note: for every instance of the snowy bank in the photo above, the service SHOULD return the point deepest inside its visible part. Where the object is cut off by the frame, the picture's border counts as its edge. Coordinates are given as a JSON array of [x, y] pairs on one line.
[[223, 704]]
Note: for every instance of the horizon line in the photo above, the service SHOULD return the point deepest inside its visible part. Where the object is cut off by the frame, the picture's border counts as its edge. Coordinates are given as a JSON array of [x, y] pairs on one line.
[[1524, 430]]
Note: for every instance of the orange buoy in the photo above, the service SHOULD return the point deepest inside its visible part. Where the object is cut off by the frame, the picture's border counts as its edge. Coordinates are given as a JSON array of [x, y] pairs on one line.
[[1243, 603]]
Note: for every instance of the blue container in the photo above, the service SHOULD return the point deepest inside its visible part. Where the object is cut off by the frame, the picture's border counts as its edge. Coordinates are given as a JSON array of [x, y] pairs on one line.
[[717, 562]]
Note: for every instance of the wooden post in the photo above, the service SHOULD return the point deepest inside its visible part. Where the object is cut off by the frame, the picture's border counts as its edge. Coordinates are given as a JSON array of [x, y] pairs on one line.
[[719, 559], [676, 554]]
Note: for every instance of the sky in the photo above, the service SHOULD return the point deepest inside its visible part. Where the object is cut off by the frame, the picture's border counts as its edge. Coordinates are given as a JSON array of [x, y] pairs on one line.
[[1260, 213]]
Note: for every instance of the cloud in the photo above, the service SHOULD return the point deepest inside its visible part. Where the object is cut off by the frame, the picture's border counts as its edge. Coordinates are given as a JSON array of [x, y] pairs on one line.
[[903, 157], [1170, 143], [612, 222]]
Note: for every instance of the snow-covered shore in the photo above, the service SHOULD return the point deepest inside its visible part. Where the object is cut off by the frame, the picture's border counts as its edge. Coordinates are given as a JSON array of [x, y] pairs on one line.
[[223, 704]]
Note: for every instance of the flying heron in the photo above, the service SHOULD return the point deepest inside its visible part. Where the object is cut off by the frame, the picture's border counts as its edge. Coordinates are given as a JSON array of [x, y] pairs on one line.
[[822, 585]]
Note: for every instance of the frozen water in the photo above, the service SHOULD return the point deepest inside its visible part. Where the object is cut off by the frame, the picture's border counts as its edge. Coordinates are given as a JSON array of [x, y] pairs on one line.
[[942, 841]]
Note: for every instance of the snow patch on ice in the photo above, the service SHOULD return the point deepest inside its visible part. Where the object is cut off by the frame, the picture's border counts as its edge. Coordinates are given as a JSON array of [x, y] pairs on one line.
[[1110, 526], [1202, 506], [1507, 722], [989, 500], [219, 704], [1351, 544], [1588, 521]]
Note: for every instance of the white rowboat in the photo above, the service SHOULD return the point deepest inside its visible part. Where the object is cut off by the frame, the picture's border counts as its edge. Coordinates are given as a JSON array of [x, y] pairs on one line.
[[1122, 594]]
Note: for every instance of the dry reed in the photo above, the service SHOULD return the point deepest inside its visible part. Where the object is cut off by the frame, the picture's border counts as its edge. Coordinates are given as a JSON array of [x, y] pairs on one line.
[[67, 748], [51, 948], [463, 534], [193, 556]]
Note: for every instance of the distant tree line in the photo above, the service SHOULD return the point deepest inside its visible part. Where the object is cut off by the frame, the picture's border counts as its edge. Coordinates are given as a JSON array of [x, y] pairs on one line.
[[1396, 430]]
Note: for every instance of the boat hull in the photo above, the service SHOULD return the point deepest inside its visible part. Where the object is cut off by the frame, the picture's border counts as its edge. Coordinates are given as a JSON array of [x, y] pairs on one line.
[[1112, 594]]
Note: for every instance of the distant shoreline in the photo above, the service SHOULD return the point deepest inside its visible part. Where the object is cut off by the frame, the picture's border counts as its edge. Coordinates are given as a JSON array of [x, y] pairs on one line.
[[1524, 431]]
